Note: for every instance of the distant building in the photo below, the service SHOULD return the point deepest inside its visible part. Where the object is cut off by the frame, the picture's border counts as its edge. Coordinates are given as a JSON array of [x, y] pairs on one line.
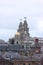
[[22, 35], [2, 41], [22, 49]]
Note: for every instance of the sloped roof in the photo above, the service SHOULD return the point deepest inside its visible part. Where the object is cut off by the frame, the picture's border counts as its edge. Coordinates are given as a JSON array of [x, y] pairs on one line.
[[10, 55]]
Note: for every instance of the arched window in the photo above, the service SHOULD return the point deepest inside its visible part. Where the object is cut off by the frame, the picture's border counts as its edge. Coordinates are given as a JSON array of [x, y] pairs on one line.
[[26, 54], [17, 42]]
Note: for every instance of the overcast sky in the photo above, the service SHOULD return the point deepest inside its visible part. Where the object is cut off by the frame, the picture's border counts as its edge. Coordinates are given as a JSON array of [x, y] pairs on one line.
[[11, 11]]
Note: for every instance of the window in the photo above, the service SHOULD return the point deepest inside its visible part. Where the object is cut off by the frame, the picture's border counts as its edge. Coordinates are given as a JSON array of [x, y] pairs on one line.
[[25, 54], [22, 47], [17, 42]]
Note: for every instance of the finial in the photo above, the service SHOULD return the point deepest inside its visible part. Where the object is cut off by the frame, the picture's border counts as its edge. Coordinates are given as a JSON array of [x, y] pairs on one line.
[[25, 18]]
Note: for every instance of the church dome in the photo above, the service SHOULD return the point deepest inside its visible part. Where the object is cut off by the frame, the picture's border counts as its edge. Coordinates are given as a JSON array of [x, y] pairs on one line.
[[17, 33]]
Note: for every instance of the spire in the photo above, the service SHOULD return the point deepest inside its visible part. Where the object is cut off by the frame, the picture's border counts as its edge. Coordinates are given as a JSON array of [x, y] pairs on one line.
[[25, 25], [25, 18], [25, 22], [20, 26], [20, 20]]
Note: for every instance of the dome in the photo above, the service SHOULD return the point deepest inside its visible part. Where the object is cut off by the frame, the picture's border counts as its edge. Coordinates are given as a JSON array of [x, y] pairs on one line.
[[17, 33]]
